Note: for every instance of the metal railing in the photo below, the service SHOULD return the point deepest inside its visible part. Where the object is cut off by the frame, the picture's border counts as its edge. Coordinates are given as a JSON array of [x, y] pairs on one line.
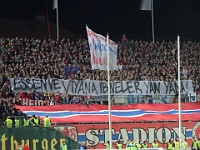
[[137, 99]]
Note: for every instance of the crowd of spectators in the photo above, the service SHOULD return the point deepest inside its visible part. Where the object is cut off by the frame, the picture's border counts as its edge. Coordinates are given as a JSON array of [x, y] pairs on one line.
[[7, 109], [65, 59]]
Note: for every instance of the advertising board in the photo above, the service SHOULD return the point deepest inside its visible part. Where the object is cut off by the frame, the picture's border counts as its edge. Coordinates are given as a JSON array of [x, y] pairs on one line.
[[95, 136]]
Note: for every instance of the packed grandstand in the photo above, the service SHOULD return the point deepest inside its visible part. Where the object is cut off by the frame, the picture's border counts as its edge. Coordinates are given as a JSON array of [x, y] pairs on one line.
[[52, 96], [66, 59], [70, 60]]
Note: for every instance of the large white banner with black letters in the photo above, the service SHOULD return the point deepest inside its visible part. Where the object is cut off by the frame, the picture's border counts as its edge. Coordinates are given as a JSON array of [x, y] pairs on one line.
[[95, 87]]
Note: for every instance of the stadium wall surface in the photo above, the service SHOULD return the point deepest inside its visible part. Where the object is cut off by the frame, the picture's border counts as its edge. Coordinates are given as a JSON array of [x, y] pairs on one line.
[[95, 136], [37, 138]]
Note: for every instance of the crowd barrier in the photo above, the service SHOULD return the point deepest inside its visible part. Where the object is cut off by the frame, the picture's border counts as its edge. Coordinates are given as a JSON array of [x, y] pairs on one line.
[[136, 99]]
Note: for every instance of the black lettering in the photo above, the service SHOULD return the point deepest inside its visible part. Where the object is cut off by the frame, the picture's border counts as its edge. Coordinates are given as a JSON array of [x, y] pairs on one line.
[[105, 88], [87, 87], [171, 88], [28, 81], [147, 86], [112, 87], [157, 87], [166, 87], [76, 84], [137, 84], [94, 88], [101, 86], [56, 84], [81, 87], [16, 81], [118, 87], [36, 84], [175, 87], [69, 85], [151, 88], [23, 86], [183, 88], [33, 81], [50, 84], [43, 84], [72, 86], [154, 87], [129, 87], [63, 83]]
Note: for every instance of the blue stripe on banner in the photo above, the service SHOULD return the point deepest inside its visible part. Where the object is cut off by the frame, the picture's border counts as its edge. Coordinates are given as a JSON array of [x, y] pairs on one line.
[[118, 113]]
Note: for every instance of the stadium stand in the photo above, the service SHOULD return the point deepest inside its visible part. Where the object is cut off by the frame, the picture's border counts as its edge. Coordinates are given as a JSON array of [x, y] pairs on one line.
[[66, 59]]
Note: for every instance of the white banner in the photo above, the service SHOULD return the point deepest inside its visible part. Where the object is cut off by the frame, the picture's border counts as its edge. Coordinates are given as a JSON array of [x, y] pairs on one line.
[[98, 51], [146, 5], [95, 87]]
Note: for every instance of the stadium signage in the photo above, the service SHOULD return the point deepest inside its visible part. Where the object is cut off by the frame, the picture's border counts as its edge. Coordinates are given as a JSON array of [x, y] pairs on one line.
[[34, 142], [42, 139], [139, 135], [95, 87], [97, 135]]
